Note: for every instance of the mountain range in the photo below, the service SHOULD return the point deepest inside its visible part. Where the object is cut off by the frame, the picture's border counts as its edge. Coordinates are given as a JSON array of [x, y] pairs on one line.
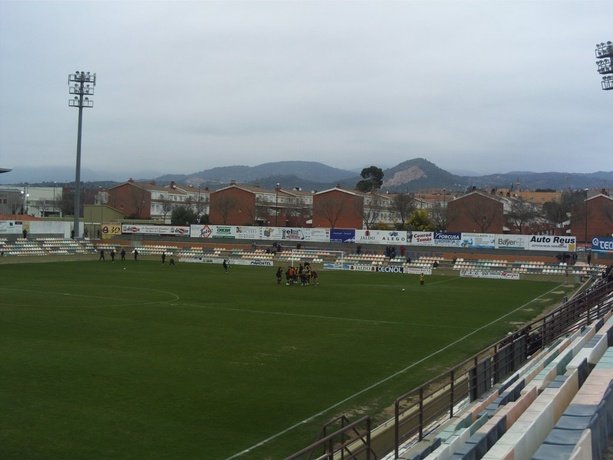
[[408, 176]]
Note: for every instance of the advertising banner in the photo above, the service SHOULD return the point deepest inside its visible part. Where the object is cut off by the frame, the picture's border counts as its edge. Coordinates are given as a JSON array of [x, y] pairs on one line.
[[342, 235], [110, 230], [10, 227], [391, 269], [390, 237], [421, 238], [154, 229], [50, 228], [478, 240], [251, 262], [212, 231], [552, 243], [447, 239], [362, 268], [602, 244], [247, 233], [512, 241], [503, 275], [271, 233], [418, 270], [321, 235], [335, 266]]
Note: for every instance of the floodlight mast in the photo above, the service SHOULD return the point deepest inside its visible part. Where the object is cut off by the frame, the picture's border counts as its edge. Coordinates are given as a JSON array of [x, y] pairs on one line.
[[81, 84], [604, 62]]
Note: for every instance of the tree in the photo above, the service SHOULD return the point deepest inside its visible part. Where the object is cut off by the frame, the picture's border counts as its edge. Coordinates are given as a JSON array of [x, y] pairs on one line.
[[297, 212], [420, 221], [373, 210], [67, 202], [404, 205], [481, 214], [555, 213], [521, 213], [182, 215], [224, 205], [138, 197], [558, 212], [438, 216], [166, 207], [331, 210], [372, 179]]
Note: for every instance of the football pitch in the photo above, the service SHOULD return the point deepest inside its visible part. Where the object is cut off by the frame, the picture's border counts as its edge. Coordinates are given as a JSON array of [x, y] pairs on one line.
[[133, 360]]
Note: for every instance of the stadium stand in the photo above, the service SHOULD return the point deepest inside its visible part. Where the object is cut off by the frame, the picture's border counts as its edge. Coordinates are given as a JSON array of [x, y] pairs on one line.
[[543, 393], [558, 406], [59, 246]]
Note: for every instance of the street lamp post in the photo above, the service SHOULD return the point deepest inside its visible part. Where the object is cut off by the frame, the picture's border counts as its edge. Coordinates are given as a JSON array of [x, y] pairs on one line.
[[277, 205], [585, 234], [81, 85]]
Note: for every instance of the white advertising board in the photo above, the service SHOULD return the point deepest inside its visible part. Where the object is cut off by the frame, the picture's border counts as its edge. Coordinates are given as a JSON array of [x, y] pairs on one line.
[[478, 240], [511, 241], [10, 227], [552, 243], [421, 238], [390, 237], [213, 231], [154, 229], [503, 275]]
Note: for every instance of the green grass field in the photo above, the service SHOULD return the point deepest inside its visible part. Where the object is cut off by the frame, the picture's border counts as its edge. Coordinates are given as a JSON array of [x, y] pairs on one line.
[[136, 360]]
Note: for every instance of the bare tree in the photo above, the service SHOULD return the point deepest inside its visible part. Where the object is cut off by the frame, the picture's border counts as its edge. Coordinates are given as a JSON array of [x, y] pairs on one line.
[[138, 196], [372, 212], [296, 211], [521, 213], [201, 203], [224, 205], [404, 205], [43, 208], [331, 210], [166, 207], [554, 212], [438, 216], [482, 213]]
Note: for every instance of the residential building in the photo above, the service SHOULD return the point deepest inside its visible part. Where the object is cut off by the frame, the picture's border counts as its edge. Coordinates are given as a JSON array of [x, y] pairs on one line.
[[141, 200], [593, 219], [252, 205], [34, 201], [476, 212], [338, 208]]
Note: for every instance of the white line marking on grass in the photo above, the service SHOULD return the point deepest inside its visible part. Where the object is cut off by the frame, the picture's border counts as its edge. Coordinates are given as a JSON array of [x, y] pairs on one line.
[[174, 297], [304, 315], [376, 384]]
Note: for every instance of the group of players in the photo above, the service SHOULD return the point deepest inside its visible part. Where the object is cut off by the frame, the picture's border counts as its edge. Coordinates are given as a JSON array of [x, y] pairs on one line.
[[303, 275]]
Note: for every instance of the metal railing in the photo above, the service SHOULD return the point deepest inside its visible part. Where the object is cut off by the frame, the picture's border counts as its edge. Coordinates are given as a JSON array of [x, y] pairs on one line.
[[420, 411], [350, 442]]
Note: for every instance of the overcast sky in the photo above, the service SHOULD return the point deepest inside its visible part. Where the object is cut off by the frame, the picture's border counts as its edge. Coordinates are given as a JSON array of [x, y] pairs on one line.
[[481, 86]]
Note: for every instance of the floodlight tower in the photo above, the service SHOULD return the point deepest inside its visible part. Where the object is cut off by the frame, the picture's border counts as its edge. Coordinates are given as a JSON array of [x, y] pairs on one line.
[[81, 84], [604, 61]]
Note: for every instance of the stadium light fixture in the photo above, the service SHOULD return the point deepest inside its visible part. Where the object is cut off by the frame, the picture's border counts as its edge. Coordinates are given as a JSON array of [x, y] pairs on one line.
[[81, 85], [604, 64]]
